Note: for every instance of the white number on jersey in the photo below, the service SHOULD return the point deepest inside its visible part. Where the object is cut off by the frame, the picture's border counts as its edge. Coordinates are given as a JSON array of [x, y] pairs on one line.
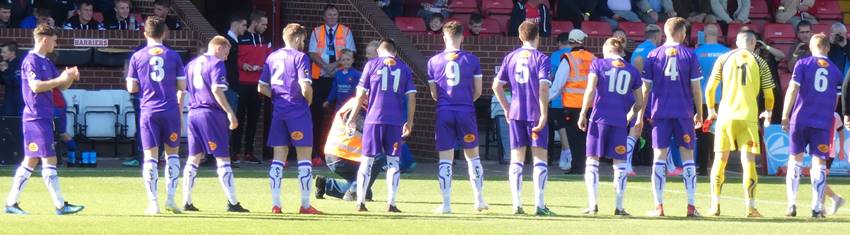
[[521, 70], [452, 73], [277, 76], [821, 81], [197, 78], [157, 72], [384, 77], [672, 70], [618, 82]]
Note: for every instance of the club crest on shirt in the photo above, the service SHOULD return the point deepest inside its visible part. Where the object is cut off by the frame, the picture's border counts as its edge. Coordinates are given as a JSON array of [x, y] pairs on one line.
[[823, 148], [469, 138], [389, 61], [212, 145], [687, 139], [395, 146], [823, 63], [32, 147], [525, 54], [617, 63], [31, 74], [620, 149], [451, 56], [534, 136], [297, 135], [156, 51], [173, 136], [671, 51]]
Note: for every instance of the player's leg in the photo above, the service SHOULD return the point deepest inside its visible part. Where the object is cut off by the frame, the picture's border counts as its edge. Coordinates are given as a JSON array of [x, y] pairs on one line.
[[596, 143], [444, 178], [723, 141], [818, 175], [151, 140], [837, 200], [217, 143], [371, 147], [615, 148], [631, 145], [476, 178], [279, 140], [519, 141], [799, 139], [190, 172], [447, 137], [662, 130], [687, 139], [51, 179], [170, 122], [748, 139], [305, 176], [539, 146], [391, 138], [19, 182]]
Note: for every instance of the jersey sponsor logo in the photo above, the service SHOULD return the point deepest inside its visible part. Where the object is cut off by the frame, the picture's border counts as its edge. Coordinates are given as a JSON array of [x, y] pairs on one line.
[[620, 149], [173, 136], [823, 63], [687, 139], [213, 145], [389, 61], [823, 148], [32, 147], [671, 51], [469, 138], [451, 56], [618, 63], [297, 135], [156, 51], [525, 54]]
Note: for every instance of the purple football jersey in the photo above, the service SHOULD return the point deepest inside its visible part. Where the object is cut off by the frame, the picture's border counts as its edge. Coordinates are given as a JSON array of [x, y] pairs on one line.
[[37, 105], [454, 72], [616, 80], [283, 71], [157, 69], [203, 74], [387, 80], [819, 81], [671, 68], [526, 69]]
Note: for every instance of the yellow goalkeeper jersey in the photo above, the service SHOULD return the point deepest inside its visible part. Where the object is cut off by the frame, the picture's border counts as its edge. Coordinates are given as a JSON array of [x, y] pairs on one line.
[[743, 75]]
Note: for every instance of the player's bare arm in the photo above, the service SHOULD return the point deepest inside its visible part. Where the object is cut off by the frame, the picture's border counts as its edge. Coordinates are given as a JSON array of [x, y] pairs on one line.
[[411, 109], [644, 91], [66, 78], [477, 87], [543, 102], [359, 96], [221, 99], [589, 93], [306, 90], [499, 92], [640, 102], [790, 97], [696, 89], [433, 88], [265, 90]]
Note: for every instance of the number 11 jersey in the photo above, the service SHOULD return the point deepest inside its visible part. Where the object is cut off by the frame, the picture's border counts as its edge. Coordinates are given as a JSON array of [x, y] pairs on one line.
[[526, 69], [387, 80], [671, 68]]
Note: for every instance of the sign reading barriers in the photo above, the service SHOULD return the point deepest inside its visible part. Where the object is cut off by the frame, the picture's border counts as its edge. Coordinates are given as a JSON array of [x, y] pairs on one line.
[[91, 42], [778, 143]]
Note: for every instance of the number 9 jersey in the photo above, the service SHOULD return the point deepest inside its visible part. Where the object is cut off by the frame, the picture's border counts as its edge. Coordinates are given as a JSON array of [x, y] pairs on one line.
[[671, 68], [526, 69], [387, 80], [157, 69], [453, 72]]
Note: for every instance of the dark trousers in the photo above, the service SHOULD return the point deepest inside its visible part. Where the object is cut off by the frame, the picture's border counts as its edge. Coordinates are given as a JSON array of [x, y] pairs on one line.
[[704, 153], [321, 88], [577, 139], [247, 112], [347, 169], [137, 144]]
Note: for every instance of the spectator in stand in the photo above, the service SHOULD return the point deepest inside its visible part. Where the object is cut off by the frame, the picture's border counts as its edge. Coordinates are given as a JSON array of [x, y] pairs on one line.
[[696, 11], [621, 34], [161, 8], [653, 38], [10, 77], [238, 24], [83, 19], [771, 56], [345, 83], [40, 16], [707, 53], [435, 24], [392, 8], [61, 9], [372, 49], [252, 53], [576, 11], [616, 10], [731, 11], [476, 23], [105, 7], [838, 48], [793, 12], [429, 9], [326, 43], [530, 10], [19, 9], [801, 49], [122, 20], [654, 11], [5, 16]]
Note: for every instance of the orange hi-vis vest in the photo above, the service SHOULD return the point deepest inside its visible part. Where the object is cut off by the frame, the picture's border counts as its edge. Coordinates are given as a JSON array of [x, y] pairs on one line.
[[339, 43], [340, 142], [573, 93]]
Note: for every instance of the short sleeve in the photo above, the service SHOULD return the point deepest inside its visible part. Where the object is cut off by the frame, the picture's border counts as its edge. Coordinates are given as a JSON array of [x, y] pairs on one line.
[[696, 69], [27, 71], [431, 75], [594, 68], [364, 77], [312, 48], [266, 74], [476, 71], [635, 83], [178, 64], [219, 75], [349, 42], [648, 75], [543, 70], [411, 87], [797, 74], [501, 75], [304, 69], [131, 69]]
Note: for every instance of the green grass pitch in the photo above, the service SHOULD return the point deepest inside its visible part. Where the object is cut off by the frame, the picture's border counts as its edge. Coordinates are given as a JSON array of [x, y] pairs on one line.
[[115, 203]]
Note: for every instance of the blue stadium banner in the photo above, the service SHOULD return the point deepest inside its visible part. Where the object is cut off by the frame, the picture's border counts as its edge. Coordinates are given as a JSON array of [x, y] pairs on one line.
[[777, 144]]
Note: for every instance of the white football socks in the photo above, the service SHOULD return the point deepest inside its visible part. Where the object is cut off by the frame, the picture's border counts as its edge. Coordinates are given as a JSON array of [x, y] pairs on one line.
[[393, 175], [591, 181], [51, 179], [689, 175], [792, 180], [305, 178], [172, 173], [444, 176], [476, 178], [22, 176], [515, 181], [364, 175], [190, 171], [659, 178], [225, 177], [541, 176], [150, 174], [621, 173], [275, 180]]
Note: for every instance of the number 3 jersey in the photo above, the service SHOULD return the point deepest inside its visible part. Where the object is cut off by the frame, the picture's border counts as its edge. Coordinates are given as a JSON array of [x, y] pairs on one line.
[[526, 69], [453, 72], [282, 72], [820, 83], [157, 69], [387, 80], [616, 80], [743, 75], [671, 68]]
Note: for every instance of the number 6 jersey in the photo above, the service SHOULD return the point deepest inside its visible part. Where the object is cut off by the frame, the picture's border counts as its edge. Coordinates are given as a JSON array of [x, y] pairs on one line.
[[387, 80], [453, 73], [671, 68], [157, 69], [820, 83], [526, 69], [616, 80]]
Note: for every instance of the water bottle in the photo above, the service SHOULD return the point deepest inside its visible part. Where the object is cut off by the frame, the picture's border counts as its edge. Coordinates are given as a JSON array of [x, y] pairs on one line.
[[72, 159]]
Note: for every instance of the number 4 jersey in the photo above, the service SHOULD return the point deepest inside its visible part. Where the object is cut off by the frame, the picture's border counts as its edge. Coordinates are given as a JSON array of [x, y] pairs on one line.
[[819, 81], [671, 68], [616, 80], [387, 80], [526, 69], [157, 69], [453, 72]]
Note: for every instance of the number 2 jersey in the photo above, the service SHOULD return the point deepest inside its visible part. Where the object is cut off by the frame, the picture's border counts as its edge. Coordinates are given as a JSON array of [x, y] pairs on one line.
[[820, 83], [157, 69], [453, 73], [526, 69], [387, 80], [671, 68], [616, 80], [743, 75], [283, 71]]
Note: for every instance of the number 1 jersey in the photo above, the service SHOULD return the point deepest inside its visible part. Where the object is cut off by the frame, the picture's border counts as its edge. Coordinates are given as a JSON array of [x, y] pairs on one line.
[[157, 69], [526, 69]]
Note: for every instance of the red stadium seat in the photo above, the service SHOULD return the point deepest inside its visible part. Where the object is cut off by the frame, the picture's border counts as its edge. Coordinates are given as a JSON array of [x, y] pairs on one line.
[[462, 18], [559, 27], [634, 30], [758, 9], [827, 10], [491, 27], [821, 28], [463, 6], [733, 30], [410, 24], [779, 33], [504, 21], [497, 7], [596, 28]]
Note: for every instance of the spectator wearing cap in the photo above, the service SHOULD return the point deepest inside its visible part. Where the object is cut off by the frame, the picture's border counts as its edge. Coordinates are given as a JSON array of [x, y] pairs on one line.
[[571, 81], [653, 38], [696, 11], [793, 12], [530, 10], [731, 11], [83, 19]]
